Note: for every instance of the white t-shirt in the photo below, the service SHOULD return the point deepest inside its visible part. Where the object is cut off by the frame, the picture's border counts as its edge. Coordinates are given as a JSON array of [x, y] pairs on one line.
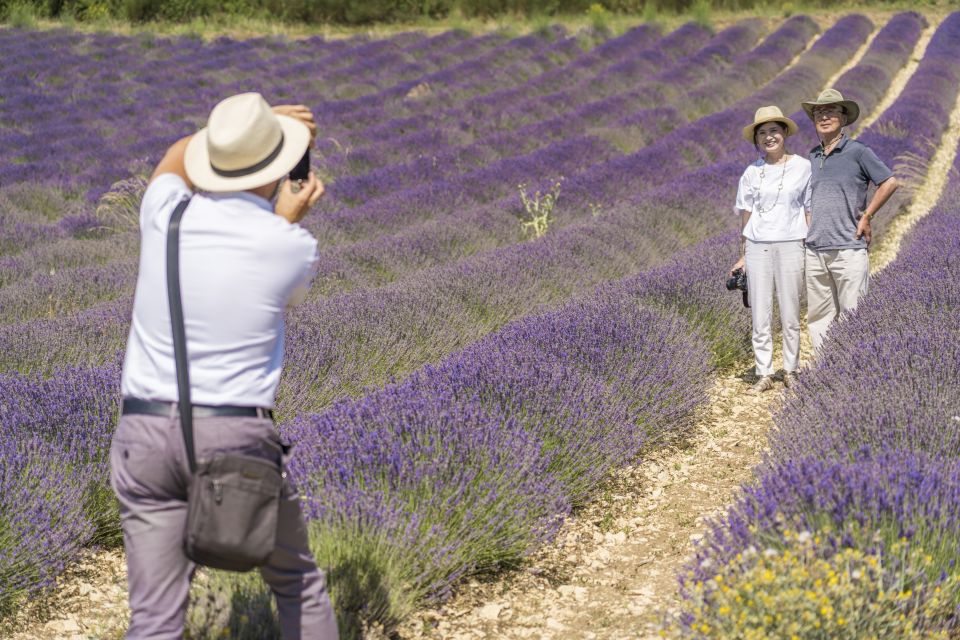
[[773, 218], [241, 266]]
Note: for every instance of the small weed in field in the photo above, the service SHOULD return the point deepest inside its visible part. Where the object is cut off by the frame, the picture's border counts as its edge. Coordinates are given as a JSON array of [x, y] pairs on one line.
[[538, 209], [599, 17], [119, 208]]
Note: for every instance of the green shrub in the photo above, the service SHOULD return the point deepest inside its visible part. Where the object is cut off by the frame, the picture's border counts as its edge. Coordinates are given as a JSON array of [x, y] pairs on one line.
[[807, 590], [20, 15]]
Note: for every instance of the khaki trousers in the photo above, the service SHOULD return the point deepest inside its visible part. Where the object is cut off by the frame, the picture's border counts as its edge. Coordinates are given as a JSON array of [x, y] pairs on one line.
[[775, 266], [836, 280]]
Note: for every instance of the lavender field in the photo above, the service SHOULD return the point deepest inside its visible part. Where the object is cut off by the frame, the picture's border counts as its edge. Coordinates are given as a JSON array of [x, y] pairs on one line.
[[454, 384]]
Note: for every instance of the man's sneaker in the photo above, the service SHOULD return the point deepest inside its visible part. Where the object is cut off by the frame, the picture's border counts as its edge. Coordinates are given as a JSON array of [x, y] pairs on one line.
[[789, 379], [765, 383]]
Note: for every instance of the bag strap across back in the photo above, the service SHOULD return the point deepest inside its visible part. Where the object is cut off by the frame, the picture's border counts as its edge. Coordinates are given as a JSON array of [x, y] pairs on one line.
[[179, 333]]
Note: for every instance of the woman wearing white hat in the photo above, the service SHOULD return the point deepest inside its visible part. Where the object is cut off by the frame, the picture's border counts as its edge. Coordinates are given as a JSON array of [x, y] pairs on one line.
[[773, 200]]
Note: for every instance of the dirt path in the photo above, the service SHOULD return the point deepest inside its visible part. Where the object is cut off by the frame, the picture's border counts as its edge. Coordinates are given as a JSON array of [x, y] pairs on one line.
[[612, 573], [612, 569], [89, 603]]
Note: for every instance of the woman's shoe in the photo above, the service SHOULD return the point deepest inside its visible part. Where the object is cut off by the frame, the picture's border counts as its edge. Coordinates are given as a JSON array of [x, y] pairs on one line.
[[765, 383], [789, 379]]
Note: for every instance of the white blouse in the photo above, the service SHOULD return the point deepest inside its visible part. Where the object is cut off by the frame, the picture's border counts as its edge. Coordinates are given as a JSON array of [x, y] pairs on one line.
[[776, 200]]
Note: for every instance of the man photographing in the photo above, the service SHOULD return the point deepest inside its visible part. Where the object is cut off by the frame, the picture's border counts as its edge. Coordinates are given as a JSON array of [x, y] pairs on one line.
[[837, 263], [243, 261]]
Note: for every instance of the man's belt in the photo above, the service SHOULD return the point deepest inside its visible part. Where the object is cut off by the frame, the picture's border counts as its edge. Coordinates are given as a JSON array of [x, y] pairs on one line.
[[158, 408]]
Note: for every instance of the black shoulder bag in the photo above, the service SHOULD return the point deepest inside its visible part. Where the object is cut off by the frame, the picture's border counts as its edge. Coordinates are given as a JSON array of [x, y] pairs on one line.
[[233, 500]]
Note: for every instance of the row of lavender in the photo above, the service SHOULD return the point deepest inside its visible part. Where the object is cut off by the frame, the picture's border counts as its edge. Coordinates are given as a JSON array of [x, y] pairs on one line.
[[397, 150], [40, 395], [857, 502], [412, 455], [21, 234], [484, 227], [628, 93], [140, 106], [52, 512], [439, 310], [65, 290], [61, 338], [57, 294]]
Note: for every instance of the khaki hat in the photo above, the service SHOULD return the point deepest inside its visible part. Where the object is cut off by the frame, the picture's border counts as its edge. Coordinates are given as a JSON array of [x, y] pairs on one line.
[[769, 114], [832, 96], [245, 145]]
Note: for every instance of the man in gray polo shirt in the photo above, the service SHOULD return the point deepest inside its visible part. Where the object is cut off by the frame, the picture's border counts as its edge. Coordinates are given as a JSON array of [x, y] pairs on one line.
[[837, 264]]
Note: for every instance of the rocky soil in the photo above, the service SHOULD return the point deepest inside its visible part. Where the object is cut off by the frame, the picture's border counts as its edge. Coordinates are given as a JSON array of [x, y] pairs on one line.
[[612, 571]]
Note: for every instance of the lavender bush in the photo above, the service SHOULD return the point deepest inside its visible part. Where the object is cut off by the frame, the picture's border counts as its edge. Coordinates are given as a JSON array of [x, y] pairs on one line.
[[541, 384], [53, 474], [863, 455]]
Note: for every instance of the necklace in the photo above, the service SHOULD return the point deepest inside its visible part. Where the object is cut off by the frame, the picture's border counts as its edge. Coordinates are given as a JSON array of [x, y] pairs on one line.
[[825, 151], [763, 170]]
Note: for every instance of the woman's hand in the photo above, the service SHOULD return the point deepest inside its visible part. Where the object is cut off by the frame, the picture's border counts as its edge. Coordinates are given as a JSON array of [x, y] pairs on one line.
[[739, 264]]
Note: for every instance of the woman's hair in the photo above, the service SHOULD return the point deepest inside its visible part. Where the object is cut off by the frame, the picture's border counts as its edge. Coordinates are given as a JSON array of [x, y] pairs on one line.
[[782, 125]]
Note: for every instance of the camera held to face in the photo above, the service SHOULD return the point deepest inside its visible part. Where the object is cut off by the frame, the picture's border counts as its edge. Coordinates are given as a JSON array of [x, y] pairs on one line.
[[738, 281]]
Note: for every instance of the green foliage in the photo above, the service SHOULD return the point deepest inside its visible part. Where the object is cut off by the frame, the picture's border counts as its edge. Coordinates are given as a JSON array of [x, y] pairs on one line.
[[650, 13], [700, 12], [599, 17], [24, 13], [357, 13], [171, 10], [538, 209], [20, 14], [803, 588]]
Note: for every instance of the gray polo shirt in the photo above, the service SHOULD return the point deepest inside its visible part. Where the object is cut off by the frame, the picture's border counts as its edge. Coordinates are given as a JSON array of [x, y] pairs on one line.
[[838, 185]]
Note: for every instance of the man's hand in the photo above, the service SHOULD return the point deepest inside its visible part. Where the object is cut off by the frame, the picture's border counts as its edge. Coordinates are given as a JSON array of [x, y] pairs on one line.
[[863, 229], [293, 205], [298, 112]]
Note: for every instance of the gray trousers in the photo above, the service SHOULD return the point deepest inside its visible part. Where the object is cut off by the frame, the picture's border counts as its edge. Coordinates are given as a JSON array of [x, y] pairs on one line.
[[150, 475]]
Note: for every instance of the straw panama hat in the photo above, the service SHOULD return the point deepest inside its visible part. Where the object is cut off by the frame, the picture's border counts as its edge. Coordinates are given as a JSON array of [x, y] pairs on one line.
[[769, 114], [245, 145], [832, 96]]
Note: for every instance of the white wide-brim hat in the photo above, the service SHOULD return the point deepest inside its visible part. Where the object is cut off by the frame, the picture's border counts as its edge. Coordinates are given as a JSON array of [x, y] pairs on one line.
[[245, 145], [769, 114]]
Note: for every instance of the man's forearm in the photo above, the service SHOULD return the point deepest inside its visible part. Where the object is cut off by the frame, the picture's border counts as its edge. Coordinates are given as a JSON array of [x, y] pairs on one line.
[[173, 162], [884, 191]]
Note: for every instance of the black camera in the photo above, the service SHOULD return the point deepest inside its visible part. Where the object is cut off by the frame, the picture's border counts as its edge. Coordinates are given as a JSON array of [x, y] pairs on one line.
[[302, 170], [739, 281]]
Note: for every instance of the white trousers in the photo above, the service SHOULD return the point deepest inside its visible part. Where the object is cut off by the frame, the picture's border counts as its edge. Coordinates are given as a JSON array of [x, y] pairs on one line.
[[836, 280], [775, 266]]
